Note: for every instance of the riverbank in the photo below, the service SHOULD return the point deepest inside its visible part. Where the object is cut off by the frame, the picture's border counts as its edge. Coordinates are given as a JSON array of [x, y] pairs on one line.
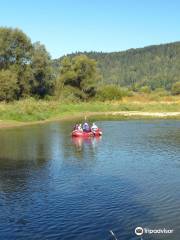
[[100, 115], [30, 111]]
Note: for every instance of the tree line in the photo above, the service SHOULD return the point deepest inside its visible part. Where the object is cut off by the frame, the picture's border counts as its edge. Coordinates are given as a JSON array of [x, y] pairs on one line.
[[154, 66], [27, 70]]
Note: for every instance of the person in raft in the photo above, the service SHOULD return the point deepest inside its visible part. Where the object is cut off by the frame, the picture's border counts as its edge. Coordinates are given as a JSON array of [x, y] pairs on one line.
[[80, 127], [94, 127], [86, 127], [76, 127]]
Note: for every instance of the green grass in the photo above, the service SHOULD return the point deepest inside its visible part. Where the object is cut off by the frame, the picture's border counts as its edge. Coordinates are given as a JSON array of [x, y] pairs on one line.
[[30, 110]]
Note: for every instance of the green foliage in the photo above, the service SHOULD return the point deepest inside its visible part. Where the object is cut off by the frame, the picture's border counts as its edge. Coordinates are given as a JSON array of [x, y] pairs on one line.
[[176, 88], [16, 53], [8, 85], [79, 72], [145, 89], [33, 110], [42, 83], [161, 92], [26, 70], [15, 47], [153, 66], [126, 92], [29, 62], [109, 92], [71, 94]]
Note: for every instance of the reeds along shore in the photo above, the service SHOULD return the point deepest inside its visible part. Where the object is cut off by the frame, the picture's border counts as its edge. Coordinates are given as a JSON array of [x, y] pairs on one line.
[[31, 110]]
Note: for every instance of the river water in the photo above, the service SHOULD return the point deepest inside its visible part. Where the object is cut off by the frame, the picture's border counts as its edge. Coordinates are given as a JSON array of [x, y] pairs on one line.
[[56, 187]]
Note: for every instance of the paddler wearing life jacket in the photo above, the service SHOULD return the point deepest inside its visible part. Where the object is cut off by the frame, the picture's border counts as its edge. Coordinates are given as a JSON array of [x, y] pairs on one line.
[[86, 127], [80, 127], [94, 127], [76, 127]]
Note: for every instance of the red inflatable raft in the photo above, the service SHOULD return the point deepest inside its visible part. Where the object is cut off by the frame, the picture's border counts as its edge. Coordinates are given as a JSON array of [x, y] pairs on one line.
[[77, 133]]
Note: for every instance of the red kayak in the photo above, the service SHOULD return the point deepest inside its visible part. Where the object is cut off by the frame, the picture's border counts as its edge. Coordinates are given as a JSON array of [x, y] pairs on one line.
[[77, 133]]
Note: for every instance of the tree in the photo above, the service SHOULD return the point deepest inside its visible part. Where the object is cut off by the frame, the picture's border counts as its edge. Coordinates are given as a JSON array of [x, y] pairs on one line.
[[154, 66], [30, 62], [15, 47], [8, 85], [42, 70], [81, 73], [65, 75], [176, 88], [16, 53], [25, 80], [42, 83]]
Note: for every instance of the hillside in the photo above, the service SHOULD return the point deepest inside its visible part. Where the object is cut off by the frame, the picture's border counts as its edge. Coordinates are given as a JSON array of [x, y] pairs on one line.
[[156, 66]]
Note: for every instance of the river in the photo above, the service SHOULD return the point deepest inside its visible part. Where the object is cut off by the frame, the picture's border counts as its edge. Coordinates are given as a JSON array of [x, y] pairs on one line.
[[56, 187]]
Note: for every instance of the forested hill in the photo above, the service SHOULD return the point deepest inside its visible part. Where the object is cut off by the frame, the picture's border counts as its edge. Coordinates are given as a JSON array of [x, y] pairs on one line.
[[156, 66], [27, 70]]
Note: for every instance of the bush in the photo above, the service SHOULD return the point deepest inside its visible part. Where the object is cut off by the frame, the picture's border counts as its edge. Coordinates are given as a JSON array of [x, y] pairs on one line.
[[109, 92], [145, 89], [8, 85], [175, 90], [71, 94], [126, 92], [161, 92]]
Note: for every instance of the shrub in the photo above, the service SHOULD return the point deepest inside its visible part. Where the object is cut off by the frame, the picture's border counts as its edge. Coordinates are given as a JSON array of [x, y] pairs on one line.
[[145, 89], [71, 94], [161, 92], [175, 90], [109, 92], [126, 92], [8, 85]]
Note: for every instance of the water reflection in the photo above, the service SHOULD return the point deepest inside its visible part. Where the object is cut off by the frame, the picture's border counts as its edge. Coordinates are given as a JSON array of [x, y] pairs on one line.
[[80, 143], [79, 188], [24, 152], [24, 147]]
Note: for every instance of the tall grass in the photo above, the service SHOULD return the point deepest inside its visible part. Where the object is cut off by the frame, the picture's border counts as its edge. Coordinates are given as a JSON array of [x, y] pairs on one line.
[[35, 110]]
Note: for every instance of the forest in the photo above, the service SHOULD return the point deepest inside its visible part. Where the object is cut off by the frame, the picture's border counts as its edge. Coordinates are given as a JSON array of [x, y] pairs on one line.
[[27, 70], [154, 66]]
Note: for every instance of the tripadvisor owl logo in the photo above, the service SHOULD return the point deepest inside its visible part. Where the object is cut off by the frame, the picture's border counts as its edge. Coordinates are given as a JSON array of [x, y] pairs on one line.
[[139, 231]]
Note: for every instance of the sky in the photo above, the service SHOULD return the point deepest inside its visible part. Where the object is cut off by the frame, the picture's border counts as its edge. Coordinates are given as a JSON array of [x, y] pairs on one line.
[[67, 26]]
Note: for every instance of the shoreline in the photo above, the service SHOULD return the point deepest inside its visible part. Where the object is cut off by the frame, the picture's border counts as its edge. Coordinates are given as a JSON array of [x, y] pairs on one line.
[[4, 124]]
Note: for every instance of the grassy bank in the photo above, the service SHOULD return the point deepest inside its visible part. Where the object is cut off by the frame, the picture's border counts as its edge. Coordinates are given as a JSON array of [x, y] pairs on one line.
[[30, 110]]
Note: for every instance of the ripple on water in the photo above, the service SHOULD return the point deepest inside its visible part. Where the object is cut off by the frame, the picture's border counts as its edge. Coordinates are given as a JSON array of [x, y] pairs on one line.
[[54, 188]]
